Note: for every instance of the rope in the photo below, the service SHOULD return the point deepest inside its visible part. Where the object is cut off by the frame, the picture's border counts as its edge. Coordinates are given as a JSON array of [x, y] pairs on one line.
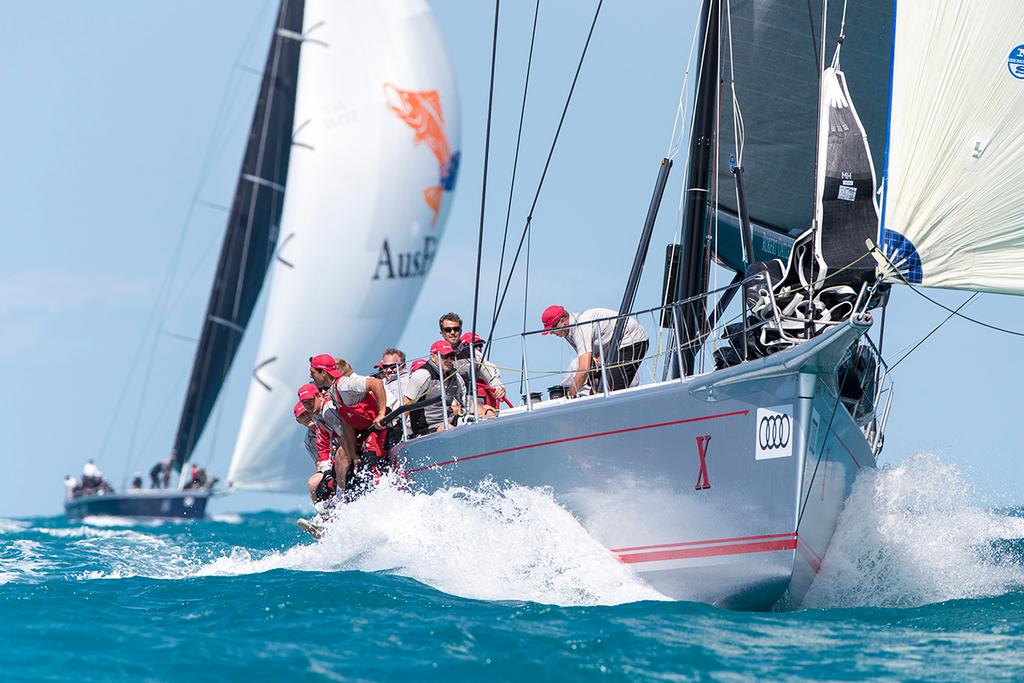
[[515, 161], [547, 164]]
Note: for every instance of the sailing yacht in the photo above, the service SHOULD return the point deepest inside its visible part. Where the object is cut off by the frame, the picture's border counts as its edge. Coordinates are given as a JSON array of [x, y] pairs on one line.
[[836, 153], [341, 200]]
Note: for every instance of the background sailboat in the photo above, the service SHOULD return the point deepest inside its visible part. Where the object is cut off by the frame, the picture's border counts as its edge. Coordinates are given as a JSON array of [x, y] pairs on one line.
[[371, 103]]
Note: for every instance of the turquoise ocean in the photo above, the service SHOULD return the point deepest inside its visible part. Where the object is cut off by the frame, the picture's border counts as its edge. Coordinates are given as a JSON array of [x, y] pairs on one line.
[[501, 583]]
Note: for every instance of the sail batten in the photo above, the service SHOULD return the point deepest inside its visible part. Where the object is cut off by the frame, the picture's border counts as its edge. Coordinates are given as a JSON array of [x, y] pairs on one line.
[[250, 235]]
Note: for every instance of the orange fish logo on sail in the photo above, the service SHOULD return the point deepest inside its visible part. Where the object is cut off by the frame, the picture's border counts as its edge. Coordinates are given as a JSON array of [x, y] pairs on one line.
[[421, 111]]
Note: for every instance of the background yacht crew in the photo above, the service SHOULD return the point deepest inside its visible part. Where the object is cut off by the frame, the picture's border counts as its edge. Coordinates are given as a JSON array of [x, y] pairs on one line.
[[425, 383], [360, 401], [333, 462], [583, 338]]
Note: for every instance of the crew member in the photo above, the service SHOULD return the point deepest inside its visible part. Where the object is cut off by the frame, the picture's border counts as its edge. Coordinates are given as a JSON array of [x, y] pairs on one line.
[[92, 477], [315, 435], [333, 462], [393, 373], [156, 473], [361, 402], [587, 328], [425, 383], [490, 390]]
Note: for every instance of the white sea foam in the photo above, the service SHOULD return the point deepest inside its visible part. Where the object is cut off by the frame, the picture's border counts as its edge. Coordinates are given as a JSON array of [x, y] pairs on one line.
[[226, 518], [22, 560], [493, 543], [12, 526], [911, 535], [113, 521]]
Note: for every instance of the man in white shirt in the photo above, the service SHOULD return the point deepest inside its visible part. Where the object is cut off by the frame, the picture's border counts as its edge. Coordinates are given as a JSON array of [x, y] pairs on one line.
[[587, 328]]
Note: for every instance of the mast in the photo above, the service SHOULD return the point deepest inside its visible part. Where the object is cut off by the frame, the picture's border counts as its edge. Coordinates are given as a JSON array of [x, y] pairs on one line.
[[251, 234], [692, 280]]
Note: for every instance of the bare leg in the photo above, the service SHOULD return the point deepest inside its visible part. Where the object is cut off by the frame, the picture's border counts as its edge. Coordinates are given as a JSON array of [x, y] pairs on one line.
[[313, 482]]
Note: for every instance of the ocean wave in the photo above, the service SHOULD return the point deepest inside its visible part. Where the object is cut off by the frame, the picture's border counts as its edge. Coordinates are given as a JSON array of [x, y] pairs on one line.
[[23, 560], [911, 535]]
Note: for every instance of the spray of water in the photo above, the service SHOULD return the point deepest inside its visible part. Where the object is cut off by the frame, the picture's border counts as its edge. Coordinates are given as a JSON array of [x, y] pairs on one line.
[[493, 543], [911, 535]]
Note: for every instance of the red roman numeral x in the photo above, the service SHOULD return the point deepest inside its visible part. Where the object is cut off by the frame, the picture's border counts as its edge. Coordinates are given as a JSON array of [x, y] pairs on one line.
[[702, 451]]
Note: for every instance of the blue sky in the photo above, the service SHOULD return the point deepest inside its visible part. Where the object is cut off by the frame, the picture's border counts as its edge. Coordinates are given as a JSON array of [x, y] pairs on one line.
[[109, 113]]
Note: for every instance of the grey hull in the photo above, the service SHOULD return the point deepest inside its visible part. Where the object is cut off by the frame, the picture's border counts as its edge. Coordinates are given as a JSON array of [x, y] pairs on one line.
[[146, 503], [724, 488]]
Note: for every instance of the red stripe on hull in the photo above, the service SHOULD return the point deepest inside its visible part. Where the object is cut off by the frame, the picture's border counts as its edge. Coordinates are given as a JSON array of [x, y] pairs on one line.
[[791, 534], [711, 551], [577, 438]]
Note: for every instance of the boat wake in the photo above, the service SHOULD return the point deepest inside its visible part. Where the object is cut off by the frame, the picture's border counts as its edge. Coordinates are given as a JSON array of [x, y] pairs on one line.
[[911, 535], [490, 543]]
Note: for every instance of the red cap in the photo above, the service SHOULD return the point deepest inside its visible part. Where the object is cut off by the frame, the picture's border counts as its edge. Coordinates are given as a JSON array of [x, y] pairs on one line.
[[299, 409], [551, 316], [441, 347], [465, 339], [417, 364], [325, 361], [307, 392]]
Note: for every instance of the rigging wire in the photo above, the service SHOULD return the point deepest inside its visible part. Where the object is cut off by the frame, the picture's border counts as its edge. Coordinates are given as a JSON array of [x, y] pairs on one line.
[[214, 147], [515, 161], [483, 205], [956, 312], [935, 329], [894, 268], [547, 164]]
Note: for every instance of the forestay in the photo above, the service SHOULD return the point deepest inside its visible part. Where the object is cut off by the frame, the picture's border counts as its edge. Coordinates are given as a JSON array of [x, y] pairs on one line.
[[374, 163], [953, 210]]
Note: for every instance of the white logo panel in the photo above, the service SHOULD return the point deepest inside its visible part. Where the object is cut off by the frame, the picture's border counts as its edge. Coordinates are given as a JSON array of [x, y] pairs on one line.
[[774, 438]]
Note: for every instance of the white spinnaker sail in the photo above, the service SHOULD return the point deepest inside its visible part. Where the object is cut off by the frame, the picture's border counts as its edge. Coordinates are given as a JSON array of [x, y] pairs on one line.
[[953, 214], [373, 167]]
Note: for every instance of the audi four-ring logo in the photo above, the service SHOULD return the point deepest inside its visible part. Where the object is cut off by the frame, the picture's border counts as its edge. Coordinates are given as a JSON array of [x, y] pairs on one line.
[[773, 431]]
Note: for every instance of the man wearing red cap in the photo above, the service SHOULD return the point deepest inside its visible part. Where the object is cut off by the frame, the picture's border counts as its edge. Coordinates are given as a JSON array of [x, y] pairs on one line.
[[332, 461], [583, 337], [425, 383], [359, 401]]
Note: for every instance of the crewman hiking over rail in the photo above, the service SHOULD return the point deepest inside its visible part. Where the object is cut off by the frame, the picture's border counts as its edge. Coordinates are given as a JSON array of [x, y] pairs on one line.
[[589, 332]]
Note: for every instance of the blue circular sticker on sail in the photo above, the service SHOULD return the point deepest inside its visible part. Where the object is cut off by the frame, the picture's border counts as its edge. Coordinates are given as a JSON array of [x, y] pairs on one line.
[[1015, 62]]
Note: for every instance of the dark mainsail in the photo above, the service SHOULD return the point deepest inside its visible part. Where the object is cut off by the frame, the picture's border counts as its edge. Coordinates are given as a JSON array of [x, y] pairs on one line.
[[776, 46], [251, 234]]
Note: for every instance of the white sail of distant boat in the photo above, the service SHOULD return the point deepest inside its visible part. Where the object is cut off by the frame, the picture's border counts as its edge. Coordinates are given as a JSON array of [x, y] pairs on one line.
[[953, 207], [374, 162]]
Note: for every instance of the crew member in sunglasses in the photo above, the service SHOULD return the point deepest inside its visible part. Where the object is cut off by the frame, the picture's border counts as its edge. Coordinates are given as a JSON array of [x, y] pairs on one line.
[[490, 391], [425, 383]]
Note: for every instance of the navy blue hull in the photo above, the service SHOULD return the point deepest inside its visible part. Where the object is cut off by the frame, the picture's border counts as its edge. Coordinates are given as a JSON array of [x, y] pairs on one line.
[[148, 503]]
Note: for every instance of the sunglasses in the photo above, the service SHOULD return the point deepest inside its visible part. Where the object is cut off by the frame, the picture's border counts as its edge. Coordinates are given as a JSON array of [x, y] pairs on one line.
[[448, 330], [388, 366], [449, 356]]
